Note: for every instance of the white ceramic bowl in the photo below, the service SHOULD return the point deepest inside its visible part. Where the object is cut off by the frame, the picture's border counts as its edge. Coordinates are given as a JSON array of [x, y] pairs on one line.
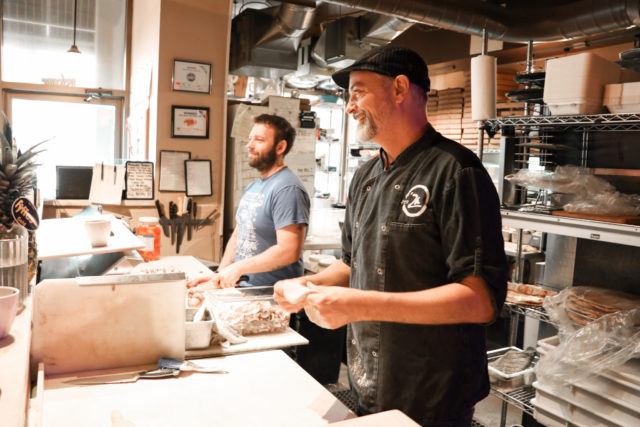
[[8, 307]]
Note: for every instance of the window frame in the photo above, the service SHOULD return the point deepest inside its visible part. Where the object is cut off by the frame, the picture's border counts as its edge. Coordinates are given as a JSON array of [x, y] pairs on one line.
[[117, 101]]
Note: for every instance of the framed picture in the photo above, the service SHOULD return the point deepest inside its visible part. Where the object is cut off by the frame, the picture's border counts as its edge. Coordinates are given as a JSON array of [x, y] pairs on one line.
[[189, 122], [190, 76], [139, 181], [172, 170], [197, 175]]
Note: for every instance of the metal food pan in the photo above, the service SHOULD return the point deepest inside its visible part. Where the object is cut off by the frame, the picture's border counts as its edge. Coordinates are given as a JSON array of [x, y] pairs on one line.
[[514, 379]]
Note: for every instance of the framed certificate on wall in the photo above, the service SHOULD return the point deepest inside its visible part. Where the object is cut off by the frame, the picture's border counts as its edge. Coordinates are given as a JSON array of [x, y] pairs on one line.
[[191, 76], [189, 122]]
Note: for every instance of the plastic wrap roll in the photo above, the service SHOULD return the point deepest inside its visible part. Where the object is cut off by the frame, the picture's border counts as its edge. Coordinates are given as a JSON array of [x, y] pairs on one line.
[[483, 87]]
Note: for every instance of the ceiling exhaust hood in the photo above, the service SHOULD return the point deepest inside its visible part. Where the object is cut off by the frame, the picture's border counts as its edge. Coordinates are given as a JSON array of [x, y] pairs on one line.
[[264, 42], [346, 39]]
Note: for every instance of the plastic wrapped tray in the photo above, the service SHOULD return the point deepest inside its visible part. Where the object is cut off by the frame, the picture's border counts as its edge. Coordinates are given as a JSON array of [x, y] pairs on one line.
[[249, 310]]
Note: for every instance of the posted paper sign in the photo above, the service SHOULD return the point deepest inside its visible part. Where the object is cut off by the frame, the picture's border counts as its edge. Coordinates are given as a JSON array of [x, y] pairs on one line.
[[107, 184]]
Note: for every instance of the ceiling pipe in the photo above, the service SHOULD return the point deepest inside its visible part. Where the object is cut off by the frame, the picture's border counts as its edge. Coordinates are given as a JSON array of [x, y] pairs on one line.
[[516, 21]]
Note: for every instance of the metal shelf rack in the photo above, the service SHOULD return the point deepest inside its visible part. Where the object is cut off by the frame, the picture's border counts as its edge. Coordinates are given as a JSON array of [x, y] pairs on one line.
[[624, 234], [546, 139], [605, 122], [529, 311], [520, 398]]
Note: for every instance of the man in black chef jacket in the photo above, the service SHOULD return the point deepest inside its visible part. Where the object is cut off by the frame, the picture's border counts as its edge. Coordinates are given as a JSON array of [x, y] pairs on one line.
[[423, 268]]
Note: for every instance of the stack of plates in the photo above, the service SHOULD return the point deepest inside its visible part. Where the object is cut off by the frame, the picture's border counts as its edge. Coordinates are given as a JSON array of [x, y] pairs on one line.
[[535, 79]]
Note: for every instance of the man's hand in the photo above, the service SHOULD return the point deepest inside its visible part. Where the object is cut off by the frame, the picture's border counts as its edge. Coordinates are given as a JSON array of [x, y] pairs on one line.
[[211, 279], [332, 306], [280, 297], [228, 277]]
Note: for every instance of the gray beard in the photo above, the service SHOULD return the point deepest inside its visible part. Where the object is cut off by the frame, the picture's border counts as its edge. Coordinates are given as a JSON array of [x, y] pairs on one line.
[[367, 130]]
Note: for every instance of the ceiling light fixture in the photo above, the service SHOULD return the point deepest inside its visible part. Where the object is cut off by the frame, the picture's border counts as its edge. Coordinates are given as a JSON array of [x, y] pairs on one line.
[[74, 48]]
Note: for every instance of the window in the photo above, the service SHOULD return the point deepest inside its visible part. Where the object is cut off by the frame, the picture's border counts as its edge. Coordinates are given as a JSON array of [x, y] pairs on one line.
[[50, 94], [36, 35], [78, 133]]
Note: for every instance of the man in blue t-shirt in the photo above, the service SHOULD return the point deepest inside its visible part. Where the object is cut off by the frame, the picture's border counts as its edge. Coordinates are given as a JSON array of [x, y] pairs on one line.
[[272, 217]]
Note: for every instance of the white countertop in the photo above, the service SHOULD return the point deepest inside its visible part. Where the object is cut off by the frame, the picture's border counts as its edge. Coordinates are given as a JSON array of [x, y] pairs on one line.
[[261, 389]]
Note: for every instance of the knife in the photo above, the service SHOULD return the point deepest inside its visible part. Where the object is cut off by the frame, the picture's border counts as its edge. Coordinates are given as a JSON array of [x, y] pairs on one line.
[[189, 223], [188, 365], [163, 219], [173, 209], [127, 377], [180, 232]]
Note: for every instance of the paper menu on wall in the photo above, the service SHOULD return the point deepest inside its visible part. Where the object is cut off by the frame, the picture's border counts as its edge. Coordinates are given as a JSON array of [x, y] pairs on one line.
[[288, 108], [305, 141], [243, 120], [107, 184]]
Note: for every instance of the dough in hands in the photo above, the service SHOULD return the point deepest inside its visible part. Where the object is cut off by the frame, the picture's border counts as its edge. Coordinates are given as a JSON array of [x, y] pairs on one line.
[[312, 314], [295, 292]]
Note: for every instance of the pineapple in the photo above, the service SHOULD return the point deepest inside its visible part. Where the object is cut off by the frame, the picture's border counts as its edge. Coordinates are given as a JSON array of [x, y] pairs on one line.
[[17, 179]]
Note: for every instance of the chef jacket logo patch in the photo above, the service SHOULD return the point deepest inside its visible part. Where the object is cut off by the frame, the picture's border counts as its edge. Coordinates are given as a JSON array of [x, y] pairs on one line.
[[415, 201]]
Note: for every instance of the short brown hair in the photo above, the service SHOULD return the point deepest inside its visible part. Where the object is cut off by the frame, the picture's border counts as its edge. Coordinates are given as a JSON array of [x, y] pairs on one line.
[[282, 128]]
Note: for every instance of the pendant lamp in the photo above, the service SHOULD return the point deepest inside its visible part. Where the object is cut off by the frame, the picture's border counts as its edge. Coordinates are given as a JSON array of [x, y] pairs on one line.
[[74, 48]]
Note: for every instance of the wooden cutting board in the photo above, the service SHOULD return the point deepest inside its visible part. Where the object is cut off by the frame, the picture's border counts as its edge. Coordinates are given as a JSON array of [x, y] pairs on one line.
[[605, 218], [77, 328]]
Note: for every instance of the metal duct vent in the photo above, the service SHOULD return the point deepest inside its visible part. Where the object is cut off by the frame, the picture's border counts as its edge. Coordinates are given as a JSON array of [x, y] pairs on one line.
[[346, 39], [264, 42]]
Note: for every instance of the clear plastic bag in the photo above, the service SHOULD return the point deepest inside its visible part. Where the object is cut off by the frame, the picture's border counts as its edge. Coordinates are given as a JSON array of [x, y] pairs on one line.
[[604, 343], [248, 311], [589, 194], [576, 306]]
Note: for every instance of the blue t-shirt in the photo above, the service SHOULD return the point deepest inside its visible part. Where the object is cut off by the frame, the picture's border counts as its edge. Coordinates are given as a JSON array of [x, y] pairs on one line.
[[266, 206]]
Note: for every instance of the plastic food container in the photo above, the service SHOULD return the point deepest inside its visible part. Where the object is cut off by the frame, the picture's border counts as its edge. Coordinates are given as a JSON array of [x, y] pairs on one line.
[[575, 84], [148, 231], [249, 310], [622, 98]]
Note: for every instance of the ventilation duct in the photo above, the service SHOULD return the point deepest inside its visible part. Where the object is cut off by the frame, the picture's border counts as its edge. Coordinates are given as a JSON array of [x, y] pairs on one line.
[[346, 39], [511, 20], [381, 29], [264, 43]]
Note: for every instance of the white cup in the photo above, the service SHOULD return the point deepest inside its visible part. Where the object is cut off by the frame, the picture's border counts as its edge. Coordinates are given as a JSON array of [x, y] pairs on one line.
[[98, 230], [9, 298]]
